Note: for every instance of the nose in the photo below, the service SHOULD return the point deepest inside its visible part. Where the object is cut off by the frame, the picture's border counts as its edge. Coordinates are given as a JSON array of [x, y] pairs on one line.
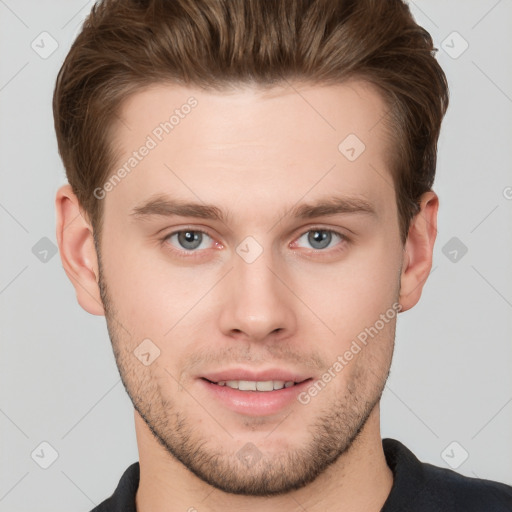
[[256, 305]]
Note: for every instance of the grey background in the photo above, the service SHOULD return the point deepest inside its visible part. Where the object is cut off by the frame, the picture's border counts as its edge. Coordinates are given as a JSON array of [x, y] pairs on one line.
[[451, 378]]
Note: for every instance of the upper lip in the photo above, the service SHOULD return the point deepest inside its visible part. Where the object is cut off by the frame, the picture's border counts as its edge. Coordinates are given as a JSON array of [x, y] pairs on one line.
[[260, 376]]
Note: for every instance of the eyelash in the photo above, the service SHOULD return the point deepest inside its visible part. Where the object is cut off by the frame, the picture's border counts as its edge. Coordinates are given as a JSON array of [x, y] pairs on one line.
[[197, 253], [183, 252]]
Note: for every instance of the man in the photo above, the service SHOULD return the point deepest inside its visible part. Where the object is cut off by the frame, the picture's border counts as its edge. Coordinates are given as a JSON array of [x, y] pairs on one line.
[[250, 206]]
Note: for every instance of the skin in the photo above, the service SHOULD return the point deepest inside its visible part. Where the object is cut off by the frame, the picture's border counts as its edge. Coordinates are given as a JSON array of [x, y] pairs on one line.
[[255, 155]]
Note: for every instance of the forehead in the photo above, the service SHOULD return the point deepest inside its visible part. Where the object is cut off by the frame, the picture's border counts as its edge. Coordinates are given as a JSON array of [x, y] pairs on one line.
[[252, 144]]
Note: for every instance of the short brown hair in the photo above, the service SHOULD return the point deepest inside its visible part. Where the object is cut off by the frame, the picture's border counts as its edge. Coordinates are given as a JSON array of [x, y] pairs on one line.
[[126, 45]]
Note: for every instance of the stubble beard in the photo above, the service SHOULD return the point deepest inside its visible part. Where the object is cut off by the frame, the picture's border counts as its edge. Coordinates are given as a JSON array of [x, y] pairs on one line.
[[332, 433]]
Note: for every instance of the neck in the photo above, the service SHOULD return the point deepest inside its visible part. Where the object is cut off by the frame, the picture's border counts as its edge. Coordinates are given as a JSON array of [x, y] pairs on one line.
[[359, 480]]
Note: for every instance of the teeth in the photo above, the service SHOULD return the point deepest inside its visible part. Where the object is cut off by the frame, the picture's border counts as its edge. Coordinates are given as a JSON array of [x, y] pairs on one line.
[[246, 385], [252, 385], [265, 386]]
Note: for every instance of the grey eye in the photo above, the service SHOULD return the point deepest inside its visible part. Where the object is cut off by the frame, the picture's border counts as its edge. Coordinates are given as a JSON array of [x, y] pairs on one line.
[[190, 240], [319, 239]]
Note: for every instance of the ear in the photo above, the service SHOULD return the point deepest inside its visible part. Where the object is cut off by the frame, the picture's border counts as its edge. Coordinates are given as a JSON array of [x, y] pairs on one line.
[[418, 251], [77, 251]]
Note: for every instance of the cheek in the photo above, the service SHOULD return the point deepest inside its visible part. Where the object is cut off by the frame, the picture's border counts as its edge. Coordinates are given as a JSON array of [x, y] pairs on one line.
[[351, 294], [151, 295]]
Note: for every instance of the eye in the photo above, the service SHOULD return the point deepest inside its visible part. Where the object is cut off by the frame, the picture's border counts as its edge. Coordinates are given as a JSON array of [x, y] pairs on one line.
[[190, 240], [320, 239]]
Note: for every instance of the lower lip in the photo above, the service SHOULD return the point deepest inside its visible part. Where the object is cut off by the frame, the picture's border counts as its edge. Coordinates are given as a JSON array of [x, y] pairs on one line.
[[255, 403]]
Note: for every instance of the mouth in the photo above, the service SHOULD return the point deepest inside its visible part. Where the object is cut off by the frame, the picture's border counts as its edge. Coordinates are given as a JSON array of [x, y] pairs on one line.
[[255, 395], [257, 385], [255, 392]]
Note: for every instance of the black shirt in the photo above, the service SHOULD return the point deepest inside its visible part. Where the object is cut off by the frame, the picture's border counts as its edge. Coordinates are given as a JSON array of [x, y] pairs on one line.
[[417, 487]]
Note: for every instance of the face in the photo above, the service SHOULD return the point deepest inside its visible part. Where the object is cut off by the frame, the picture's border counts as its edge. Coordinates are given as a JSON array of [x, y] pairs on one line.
[[254, 244]]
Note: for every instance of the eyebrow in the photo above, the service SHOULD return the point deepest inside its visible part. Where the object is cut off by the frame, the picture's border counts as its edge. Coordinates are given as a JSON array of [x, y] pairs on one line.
[[166, 207], [333, 206]]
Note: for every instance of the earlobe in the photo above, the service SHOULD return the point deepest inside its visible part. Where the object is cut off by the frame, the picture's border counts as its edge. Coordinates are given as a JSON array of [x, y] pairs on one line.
[[77, 250], [418, 251]]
